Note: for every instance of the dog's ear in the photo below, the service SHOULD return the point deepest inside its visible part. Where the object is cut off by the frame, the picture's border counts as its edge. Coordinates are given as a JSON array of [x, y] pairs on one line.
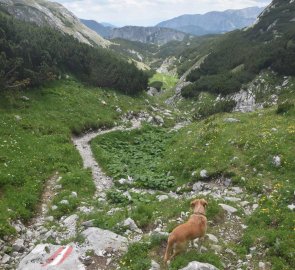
[[204, 202]]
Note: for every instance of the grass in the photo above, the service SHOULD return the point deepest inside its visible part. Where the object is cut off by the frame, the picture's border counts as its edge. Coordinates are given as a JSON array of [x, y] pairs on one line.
[[243, 150], [35, 142]]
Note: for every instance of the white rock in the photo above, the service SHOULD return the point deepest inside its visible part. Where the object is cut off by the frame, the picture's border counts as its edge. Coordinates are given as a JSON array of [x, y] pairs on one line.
[[18, 245], [155, 266], [162, 197], [71, 223], [98, 239], [261, 265], [41, 253], [17, 118], [199, 266], [228, 208], [54, 207], [291, 207], [212, 238], [276, 160], [231, 120], [74, 194], [66, 202], [130, 223], [204, 173], [6, 259]]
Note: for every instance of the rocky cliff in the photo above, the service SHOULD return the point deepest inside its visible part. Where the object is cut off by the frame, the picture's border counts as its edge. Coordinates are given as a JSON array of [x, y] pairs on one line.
[[45, 13], [153, 35]]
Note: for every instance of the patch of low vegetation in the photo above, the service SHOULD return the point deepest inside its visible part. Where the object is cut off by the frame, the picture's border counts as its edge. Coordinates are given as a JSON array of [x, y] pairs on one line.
[[35, 142], [135, 154]]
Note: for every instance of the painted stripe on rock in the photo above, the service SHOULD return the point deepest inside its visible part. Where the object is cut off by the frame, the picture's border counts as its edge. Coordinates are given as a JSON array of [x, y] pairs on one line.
[[59, 256]]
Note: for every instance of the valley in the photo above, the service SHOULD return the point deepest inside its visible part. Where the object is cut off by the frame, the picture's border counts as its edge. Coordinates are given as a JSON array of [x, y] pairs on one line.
[[103, 149]]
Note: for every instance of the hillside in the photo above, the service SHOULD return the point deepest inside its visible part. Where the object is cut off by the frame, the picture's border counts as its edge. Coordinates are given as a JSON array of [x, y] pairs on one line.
[[153, 35], [240, 56], [99, 28], [213, 22], [46, 13], [95, 172]]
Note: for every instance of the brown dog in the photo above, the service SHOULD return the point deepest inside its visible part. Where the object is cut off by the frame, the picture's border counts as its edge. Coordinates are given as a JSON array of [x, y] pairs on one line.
[[195, 227]]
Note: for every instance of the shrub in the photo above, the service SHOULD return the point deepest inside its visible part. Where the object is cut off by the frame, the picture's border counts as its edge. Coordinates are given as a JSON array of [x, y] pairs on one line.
[[285, 107]]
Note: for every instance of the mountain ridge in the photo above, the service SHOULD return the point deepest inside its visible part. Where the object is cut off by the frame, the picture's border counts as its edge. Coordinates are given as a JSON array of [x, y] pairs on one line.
[[55, 15], [214, 22]]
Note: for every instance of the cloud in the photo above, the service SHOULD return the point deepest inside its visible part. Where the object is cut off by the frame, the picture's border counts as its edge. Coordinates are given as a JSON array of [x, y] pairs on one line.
[[149, 12]]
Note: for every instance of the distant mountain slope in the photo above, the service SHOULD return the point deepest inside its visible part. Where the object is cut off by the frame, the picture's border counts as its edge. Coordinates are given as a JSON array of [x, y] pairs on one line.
[[240, 56], [213, 22], [45, 13], [102, 29], [152, 35]]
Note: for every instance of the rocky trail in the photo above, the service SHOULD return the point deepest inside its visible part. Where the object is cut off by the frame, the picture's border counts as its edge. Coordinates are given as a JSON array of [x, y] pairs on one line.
[[100, 248]]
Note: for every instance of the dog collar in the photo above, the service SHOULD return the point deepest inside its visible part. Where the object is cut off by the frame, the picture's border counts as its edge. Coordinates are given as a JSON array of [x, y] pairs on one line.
[[198, 213]]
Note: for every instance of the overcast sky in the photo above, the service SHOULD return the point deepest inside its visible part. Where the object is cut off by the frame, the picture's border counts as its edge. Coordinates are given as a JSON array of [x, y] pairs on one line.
[[149, 12]]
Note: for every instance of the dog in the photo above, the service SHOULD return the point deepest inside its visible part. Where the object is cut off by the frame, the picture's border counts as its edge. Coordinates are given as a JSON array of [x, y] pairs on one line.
[[195, 227]]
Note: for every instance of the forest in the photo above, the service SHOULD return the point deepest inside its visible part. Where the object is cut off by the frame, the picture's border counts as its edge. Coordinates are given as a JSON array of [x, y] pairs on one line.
[[31, 56]]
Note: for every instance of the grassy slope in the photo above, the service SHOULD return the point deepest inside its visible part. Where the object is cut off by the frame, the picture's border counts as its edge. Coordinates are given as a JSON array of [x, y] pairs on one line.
[[34, 148], [242, 150]]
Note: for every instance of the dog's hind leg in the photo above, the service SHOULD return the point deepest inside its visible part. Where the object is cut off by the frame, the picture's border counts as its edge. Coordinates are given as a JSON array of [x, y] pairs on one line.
[[178, 248], [169, 249]]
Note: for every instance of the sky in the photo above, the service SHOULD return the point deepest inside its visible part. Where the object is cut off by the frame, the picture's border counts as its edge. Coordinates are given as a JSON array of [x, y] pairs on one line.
[[149, 12]]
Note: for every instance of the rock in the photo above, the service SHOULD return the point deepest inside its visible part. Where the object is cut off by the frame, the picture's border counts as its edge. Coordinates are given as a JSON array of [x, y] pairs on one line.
[[261, 265], [54, 207], [237, 190], [216, 248], [88, 224], [41, 254], [291, 207], [6, 259], [159, 120], [162, 198], [204, 173], [118, 110], [130, 223], [74, 194], [99, 240], [155, 266], [276, 160], [50, 218], [152, 91], [71, 223], [212, 238], [24, 98], [17, 118], [231, 120], [18, 245], [66, 202], [199, 186], [228, 208], [199, 266], [232, 199]]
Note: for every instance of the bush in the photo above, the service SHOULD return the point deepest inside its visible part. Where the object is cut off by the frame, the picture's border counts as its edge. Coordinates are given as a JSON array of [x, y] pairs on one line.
[[157, 84], [285, 107]]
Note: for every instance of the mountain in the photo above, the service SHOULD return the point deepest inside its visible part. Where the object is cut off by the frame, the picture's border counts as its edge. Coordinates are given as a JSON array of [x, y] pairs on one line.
[[102, 29], [240, 56], [213, 22], [152, 35], [45, 13]]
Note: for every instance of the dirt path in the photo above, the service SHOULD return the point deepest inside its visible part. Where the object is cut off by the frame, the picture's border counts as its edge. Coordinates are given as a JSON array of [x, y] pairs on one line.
[[102, 182]]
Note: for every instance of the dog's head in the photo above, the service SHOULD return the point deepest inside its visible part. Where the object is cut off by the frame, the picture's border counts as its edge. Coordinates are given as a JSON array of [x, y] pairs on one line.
[[197, 202]]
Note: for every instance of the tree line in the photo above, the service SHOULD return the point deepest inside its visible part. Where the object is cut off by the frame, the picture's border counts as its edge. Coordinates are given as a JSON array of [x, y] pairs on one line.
[[30, 56]]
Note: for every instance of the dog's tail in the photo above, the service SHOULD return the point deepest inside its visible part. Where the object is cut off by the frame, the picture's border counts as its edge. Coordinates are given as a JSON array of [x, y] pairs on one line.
[[169, 248]]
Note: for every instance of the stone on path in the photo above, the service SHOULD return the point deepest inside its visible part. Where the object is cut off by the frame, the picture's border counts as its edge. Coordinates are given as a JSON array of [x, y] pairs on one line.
[[228, 208], [199, 266], [101, 240], [47, 257]]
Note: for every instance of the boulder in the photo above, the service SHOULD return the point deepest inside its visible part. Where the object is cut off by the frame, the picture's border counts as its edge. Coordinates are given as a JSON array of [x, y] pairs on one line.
[[131, 225], [199, 266], [18, 245], [228, 208], [71, 223], [162, 198], [155, 266], [204, 173], [100, 240], [47, 257]]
